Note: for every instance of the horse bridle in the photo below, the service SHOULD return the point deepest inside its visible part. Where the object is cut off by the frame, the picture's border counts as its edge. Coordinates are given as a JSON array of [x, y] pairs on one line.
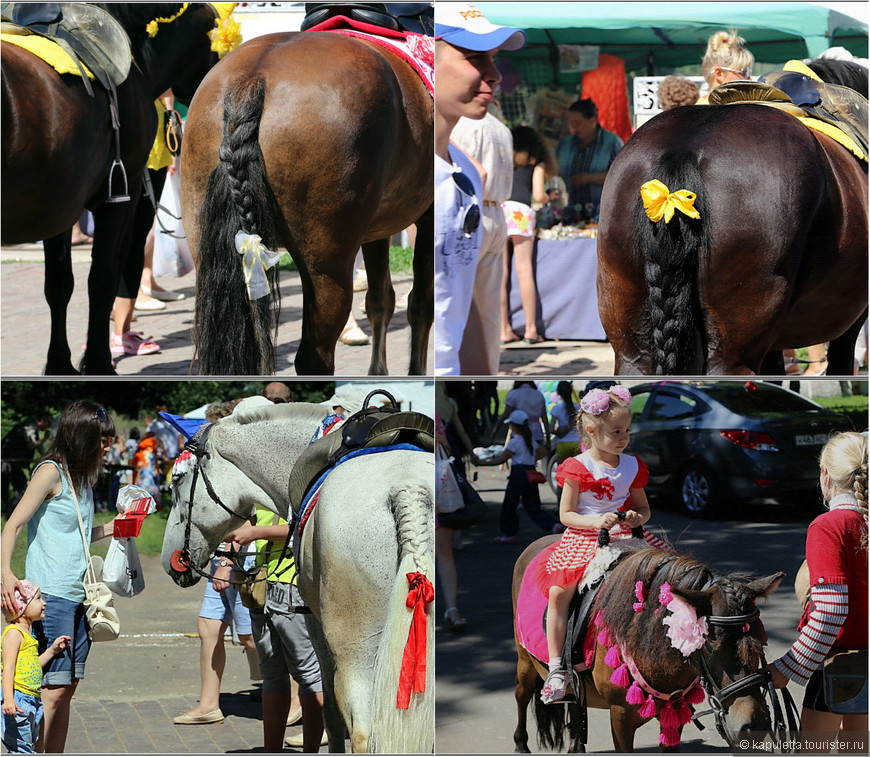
[[716, 697], [180, 559]]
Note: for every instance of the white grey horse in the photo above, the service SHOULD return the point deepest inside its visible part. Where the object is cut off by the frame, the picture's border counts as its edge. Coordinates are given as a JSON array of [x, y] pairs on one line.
[[372, 526]]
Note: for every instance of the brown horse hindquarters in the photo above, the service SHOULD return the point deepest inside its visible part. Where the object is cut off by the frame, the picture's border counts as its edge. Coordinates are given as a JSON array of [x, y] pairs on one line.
[[708, 295], [343, 164]]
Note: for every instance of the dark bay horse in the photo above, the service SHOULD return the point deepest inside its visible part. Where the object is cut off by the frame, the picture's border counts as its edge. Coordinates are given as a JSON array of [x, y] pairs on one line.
[[320, 143], [626, 635], [58, 146], [777, 259]]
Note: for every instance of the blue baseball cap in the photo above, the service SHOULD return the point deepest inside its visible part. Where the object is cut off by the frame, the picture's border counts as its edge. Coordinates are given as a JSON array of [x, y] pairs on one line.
[[463, 25]]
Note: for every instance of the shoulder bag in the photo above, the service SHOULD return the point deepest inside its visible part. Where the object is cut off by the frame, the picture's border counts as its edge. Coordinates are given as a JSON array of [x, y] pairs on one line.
[[844, 681], [103, 621]]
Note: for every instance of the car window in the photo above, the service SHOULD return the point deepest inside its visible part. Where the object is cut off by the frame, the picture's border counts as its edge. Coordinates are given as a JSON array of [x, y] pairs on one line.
[[759, 400], [669, 407], [638, 403]]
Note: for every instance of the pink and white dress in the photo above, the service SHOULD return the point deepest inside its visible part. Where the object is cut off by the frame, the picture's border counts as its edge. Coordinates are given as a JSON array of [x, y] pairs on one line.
[[602, 490]]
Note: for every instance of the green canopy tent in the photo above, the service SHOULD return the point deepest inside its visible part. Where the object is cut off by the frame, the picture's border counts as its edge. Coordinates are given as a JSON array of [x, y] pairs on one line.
[[651, 36]]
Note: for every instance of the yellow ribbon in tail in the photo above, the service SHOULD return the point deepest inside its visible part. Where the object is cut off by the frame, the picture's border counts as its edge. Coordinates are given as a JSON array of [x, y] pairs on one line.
[[659, 202], [257, 259]]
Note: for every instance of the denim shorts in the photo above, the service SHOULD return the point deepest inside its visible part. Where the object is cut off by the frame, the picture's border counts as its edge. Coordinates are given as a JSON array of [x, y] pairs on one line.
[[63, 618], [225, 606], [19, 732], [283, 645]]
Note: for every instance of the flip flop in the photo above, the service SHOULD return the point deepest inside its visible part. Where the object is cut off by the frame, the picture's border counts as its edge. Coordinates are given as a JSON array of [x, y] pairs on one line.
[[538, 340], [164, 295], [134, 343], [511, 341]]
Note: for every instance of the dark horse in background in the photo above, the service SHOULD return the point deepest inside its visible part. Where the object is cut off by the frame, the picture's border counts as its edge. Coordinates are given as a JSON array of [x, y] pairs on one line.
[[320, 143], [58, 147], [777, 260]]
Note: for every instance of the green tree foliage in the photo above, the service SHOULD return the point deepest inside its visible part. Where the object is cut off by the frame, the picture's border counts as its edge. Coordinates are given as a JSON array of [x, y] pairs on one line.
[[21, 399]]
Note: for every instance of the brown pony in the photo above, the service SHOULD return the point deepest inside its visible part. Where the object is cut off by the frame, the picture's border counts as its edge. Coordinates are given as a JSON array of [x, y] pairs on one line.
[[777, 259], [732, 650], [320, 143], [58, 147]]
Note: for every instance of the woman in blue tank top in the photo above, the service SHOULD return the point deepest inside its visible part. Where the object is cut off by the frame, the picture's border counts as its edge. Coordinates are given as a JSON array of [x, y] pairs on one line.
[[56, 558]]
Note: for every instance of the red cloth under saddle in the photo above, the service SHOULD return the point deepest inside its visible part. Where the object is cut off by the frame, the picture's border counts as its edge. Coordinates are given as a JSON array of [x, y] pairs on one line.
[[529, 621], [417, 50]]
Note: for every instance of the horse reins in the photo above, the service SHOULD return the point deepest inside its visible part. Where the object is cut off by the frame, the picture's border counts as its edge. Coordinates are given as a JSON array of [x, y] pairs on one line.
[[717, 697]]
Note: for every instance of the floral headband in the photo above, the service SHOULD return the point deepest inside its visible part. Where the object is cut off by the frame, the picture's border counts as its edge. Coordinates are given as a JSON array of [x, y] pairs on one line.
[[597, 401], [226, 35]]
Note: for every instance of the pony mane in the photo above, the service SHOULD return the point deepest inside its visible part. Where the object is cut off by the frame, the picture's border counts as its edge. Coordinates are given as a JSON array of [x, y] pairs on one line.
[[643, 632], [844, 72], [289, 410]]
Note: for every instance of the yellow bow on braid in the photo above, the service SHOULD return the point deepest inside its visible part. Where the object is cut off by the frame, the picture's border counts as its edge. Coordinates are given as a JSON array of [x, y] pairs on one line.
[[227, 34], [659, 202], [154, 26], [256, 260]]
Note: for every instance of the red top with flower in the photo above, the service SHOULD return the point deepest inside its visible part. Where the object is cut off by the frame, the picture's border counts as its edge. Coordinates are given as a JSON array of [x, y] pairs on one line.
[[602, 490]]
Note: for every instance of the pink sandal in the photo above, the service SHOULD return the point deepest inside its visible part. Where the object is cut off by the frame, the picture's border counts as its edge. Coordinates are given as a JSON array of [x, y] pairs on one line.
[[133, 343]]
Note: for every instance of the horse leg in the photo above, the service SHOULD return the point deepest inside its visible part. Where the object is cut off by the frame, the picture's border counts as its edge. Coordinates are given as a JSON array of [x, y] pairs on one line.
[[380, 301], [58, 288], [841, 351], [525, 690], [112, 237], [623, 724], [421, 302], [773, 364]]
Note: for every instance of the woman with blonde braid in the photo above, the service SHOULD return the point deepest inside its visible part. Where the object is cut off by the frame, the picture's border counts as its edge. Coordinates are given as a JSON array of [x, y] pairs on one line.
[[835, 618]]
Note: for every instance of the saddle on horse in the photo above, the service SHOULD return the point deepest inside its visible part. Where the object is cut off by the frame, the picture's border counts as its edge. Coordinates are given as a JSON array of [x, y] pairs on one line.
[[369, 428], [417, 18], [841, 108], [94, 41]]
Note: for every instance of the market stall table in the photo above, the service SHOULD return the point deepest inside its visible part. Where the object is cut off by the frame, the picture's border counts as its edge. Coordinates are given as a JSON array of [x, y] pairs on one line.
[[565, 271]]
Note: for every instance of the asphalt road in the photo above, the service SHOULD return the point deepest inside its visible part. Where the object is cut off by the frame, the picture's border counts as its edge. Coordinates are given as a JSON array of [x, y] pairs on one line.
[[475, 709]]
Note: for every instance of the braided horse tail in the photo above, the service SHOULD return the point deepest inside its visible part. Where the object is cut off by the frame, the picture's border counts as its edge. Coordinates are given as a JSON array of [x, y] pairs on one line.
[[396, 730], [234, 335], [671, 253]]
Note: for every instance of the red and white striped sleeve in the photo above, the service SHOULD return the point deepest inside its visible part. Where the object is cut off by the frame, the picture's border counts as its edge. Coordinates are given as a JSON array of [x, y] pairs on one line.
[[830, 608]]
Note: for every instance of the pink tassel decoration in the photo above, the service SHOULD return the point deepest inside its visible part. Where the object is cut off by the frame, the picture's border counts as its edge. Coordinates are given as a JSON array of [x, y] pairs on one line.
[[639, 593], [598, 615], [634, 695], [665, 595], [590, 658], [669, 737], [604, 637], [613, 659], [684, 712], [668, 716], [696, 695], [620, 676], [649, 708]]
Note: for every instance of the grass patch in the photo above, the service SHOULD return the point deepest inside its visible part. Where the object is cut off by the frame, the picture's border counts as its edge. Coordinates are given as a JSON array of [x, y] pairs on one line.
[[401, 260]]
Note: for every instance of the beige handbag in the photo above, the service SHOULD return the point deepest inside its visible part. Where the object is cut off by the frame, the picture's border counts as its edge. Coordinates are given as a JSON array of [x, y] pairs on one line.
[[103, 621]]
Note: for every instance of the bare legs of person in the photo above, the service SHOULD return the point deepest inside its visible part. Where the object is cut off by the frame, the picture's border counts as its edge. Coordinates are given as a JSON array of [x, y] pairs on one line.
[[818, 728], [446, 566], [55, 717], [276, 707], [524, 248]]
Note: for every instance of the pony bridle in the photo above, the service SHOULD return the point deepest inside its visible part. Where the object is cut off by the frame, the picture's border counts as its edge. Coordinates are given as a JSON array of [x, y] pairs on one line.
[[180, 559], [718, 697]]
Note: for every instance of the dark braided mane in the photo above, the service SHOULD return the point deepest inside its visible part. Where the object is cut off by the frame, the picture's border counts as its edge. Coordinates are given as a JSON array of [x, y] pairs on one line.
[[642, 633]]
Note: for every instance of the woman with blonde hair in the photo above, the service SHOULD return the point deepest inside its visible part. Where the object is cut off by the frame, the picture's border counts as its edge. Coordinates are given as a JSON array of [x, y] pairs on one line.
[[835, 618], [727, 59]]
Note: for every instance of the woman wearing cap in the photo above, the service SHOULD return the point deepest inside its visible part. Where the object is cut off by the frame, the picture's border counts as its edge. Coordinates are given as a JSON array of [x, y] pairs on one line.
[[60, 488], [465, 81], [520, 450]]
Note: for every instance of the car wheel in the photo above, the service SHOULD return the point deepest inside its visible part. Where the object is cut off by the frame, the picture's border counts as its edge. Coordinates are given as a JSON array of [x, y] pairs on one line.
[[552, 464], [696, 491]]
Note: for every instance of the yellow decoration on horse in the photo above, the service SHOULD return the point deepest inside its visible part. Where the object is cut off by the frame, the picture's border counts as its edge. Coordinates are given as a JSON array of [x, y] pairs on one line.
[[659, 202]]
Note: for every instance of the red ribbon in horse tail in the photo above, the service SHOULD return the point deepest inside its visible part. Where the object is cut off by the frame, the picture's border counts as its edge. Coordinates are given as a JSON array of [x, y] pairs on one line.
[[412, 677]]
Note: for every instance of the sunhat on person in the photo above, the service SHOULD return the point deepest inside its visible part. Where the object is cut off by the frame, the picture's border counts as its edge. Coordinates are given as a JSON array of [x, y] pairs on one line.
[[519, 417], [463, 25], [23, 597]]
